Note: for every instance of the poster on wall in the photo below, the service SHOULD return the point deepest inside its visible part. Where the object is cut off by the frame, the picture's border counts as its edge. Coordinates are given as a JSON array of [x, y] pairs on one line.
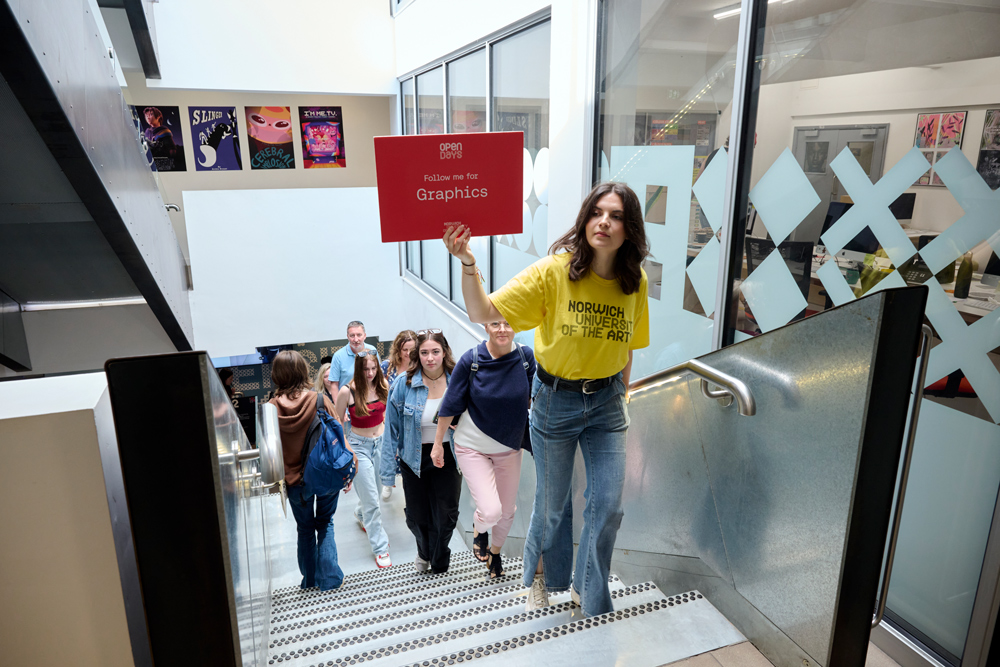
[[430, 121], [468, 120], [988, 164], [161, 130], [215, 135], [938, 133], [145, 150], [322, 137], [270, 137], [817, 153]]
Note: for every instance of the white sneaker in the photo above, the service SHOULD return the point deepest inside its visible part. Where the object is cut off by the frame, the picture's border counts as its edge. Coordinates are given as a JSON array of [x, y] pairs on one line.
[[421, 565], [575, 596], [360, 518], [383, 560], [537, 595], [386, 492]]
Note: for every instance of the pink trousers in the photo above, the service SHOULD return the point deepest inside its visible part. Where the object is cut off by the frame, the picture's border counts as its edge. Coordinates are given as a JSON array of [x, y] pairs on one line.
[[493, 481]]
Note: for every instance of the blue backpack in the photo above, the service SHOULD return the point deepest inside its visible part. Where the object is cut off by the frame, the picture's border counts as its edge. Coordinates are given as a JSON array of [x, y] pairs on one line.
[[327, 463]]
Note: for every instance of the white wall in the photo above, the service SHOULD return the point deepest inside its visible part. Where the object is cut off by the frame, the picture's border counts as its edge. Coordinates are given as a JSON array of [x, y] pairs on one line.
[[308, 46], [286, 266], [364, 117]]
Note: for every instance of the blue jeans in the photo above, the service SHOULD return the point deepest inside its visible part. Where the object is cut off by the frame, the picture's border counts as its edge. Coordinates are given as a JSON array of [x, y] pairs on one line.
[[317, 549], [598, 422], [368, 486]]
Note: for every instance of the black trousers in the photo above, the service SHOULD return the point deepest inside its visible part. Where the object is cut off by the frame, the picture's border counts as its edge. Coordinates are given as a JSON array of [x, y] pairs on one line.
[[432, 506]]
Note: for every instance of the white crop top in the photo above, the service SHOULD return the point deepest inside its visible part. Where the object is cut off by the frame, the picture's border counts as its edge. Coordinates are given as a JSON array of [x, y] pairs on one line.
[[428, 427]]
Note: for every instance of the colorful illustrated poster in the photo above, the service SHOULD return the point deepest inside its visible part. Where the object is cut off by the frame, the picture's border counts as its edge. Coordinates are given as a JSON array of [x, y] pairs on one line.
[[161, 130], [270, 140], [988, 165], [939, 132], [468, 120], [216, 139], [142, 139], [322, 137]]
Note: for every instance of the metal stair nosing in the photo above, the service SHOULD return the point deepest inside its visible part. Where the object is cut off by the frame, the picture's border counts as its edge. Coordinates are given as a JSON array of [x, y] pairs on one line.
[[368, 578], [428, 646], [442, 590], [394, 627], [648, 634], [398, 582]]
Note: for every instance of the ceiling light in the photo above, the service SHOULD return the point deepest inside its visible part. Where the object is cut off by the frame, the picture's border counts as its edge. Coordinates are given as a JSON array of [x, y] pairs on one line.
[[734, 11]]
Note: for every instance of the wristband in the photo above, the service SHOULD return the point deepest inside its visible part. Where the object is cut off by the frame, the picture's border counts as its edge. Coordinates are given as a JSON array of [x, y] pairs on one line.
[[464, 264]]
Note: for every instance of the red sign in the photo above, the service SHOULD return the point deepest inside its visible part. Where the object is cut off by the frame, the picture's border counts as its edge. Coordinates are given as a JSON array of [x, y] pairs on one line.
[[429, 182]]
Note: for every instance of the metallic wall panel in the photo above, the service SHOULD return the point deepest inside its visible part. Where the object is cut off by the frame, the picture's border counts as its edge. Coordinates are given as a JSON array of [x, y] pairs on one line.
[[54, 60], [784, 479], [201, 553], [13, 342], [121, 528]]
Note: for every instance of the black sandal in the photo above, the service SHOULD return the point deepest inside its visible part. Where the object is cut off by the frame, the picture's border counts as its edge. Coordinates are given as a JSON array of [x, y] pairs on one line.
[[481, 546], [495, 565]]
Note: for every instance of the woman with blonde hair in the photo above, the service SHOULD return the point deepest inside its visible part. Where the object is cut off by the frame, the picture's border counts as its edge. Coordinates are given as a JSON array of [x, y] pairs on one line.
[[318, 385], [296, 402], [400, 353]]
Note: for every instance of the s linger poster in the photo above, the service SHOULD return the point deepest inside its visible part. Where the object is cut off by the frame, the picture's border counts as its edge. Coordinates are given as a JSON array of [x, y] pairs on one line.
[[215, 134]]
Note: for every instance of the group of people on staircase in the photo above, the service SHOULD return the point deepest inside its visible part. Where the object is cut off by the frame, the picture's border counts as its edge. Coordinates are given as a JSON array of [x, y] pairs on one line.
[[432, 420]]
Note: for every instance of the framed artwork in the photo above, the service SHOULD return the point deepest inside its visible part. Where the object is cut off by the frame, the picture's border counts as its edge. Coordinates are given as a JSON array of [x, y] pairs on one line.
[[817, 153], [936, 134], [988, 164], [161, 134]]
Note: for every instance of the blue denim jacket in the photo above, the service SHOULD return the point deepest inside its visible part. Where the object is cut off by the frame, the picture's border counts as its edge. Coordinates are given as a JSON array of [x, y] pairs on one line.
[[402, 416]]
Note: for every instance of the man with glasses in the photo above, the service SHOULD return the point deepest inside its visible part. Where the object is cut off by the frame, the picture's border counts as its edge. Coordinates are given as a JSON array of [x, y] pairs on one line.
[[342, 364]]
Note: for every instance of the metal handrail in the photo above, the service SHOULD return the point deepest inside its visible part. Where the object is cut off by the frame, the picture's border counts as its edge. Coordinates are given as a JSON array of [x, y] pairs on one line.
[[925, 348], [731, 387]]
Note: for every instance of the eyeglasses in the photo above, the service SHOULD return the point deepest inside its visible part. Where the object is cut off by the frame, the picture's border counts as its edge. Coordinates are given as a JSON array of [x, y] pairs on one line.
[[365, 353], [501, 325], [424, 332]]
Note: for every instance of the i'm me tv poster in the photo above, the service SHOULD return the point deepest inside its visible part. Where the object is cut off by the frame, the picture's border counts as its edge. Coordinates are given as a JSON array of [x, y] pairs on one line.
[[161, 130], [270, 137], [216, 139], [322, 137]]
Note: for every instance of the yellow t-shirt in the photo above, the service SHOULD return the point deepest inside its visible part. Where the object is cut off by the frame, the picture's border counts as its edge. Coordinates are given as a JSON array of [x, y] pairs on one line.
[[586, 328]]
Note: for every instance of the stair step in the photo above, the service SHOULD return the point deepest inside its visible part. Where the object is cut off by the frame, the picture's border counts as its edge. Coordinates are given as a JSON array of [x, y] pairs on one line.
[[401, 580], [440, 590], [336, 635], [654, 632], [412, 644], [457, 558]]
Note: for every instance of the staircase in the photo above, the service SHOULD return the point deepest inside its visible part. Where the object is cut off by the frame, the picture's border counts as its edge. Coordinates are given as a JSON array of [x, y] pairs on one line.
[[397, 616]]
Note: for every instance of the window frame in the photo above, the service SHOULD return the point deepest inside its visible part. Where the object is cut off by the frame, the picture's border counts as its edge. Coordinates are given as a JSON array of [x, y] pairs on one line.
[[489, 276]]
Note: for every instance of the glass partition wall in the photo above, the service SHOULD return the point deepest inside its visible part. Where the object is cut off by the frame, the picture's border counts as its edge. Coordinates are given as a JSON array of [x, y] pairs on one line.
[[498, 84], [865, 155]]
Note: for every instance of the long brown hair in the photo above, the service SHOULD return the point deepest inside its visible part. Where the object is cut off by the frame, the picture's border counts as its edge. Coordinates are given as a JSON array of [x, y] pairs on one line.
[[396, 351], [289, 373], [361, 384], [449, 361], [628, 260]]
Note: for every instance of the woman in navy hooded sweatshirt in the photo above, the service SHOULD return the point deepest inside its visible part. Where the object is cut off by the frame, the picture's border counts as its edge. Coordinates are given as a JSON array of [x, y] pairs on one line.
[[491, 385]]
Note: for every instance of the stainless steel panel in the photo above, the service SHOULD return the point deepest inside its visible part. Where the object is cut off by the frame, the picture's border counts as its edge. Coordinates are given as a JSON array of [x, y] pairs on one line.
[[69, 84], [784, 481], [244, 525]]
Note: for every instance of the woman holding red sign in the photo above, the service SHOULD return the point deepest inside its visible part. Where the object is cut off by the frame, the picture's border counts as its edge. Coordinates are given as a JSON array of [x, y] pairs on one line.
[[586, 301]]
